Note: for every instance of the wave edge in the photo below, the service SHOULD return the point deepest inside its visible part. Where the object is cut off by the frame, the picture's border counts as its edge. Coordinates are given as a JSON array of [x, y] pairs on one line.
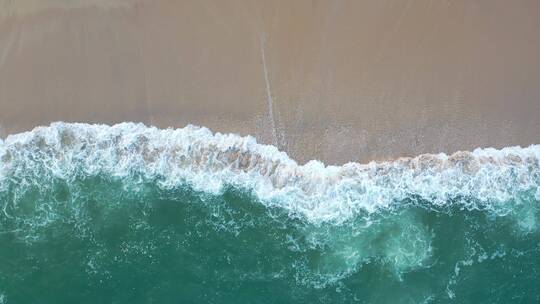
[[487, 179]]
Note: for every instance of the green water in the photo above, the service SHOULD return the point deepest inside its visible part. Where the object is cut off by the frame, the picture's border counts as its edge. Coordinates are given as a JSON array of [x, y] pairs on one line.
[[132, 214], [102, 239]]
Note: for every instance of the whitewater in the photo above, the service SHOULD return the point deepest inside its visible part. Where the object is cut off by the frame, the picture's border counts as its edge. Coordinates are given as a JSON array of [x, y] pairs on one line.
[[188, 215]]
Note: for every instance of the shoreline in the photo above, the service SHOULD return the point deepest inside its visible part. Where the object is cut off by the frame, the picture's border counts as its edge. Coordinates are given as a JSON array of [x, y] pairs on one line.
[[462, 157]]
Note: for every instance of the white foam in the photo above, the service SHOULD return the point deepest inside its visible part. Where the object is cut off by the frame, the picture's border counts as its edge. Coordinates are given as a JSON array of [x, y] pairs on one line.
[[482, 179]]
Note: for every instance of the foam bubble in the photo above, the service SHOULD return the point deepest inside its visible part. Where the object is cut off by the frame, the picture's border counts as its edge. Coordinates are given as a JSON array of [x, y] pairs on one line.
[[486, 179]]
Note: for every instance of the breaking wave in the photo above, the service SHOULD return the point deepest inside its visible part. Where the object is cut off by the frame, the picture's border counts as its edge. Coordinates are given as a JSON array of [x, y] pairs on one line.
[[483, 179], [222, 216]]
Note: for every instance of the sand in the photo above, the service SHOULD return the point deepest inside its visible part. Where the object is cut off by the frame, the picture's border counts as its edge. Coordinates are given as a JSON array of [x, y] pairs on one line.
[[331, 80]]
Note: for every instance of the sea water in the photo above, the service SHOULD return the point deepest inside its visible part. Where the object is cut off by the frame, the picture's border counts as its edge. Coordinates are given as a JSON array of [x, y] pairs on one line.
[[135, 214]]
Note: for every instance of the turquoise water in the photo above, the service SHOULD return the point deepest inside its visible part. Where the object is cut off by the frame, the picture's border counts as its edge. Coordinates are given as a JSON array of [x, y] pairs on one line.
[[131, 214]]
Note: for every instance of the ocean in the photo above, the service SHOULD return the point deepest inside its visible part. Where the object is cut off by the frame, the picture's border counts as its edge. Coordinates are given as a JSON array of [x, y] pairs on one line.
[[136, 214]]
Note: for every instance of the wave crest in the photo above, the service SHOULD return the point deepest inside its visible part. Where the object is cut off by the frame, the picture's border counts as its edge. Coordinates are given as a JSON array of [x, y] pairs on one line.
[[486, 179]]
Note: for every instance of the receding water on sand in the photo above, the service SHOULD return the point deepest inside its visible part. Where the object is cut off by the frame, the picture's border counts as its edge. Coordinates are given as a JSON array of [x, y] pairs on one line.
[[132, 214]]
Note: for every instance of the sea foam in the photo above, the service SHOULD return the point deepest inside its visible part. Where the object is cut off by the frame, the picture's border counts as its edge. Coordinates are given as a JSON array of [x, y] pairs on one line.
[[484, 179]]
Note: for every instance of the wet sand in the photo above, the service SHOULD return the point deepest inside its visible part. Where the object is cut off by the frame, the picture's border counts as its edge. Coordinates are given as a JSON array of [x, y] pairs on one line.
[[333, 80]]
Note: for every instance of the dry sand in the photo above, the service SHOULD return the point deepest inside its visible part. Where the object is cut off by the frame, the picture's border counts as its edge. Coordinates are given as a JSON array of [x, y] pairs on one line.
[[333, 80]]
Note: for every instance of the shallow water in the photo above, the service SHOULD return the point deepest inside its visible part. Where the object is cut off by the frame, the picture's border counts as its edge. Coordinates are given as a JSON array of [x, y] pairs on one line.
[[131, 214]]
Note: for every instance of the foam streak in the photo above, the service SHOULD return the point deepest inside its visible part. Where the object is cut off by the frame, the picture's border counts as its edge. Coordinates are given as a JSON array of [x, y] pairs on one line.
[[488, 178]]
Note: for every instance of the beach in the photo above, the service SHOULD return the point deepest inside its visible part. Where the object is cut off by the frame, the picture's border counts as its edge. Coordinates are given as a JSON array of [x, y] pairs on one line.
[[306, 151], [336, 81]]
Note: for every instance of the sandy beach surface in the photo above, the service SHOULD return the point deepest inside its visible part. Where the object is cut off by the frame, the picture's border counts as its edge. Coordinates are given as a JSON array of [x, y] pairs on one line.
[[337, 81]]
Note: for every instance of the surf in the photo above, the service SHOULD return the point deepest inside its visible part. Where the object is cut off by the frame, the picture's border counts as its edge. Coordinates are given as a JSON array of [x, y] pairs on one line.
[[486, 179], [131, 205]]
